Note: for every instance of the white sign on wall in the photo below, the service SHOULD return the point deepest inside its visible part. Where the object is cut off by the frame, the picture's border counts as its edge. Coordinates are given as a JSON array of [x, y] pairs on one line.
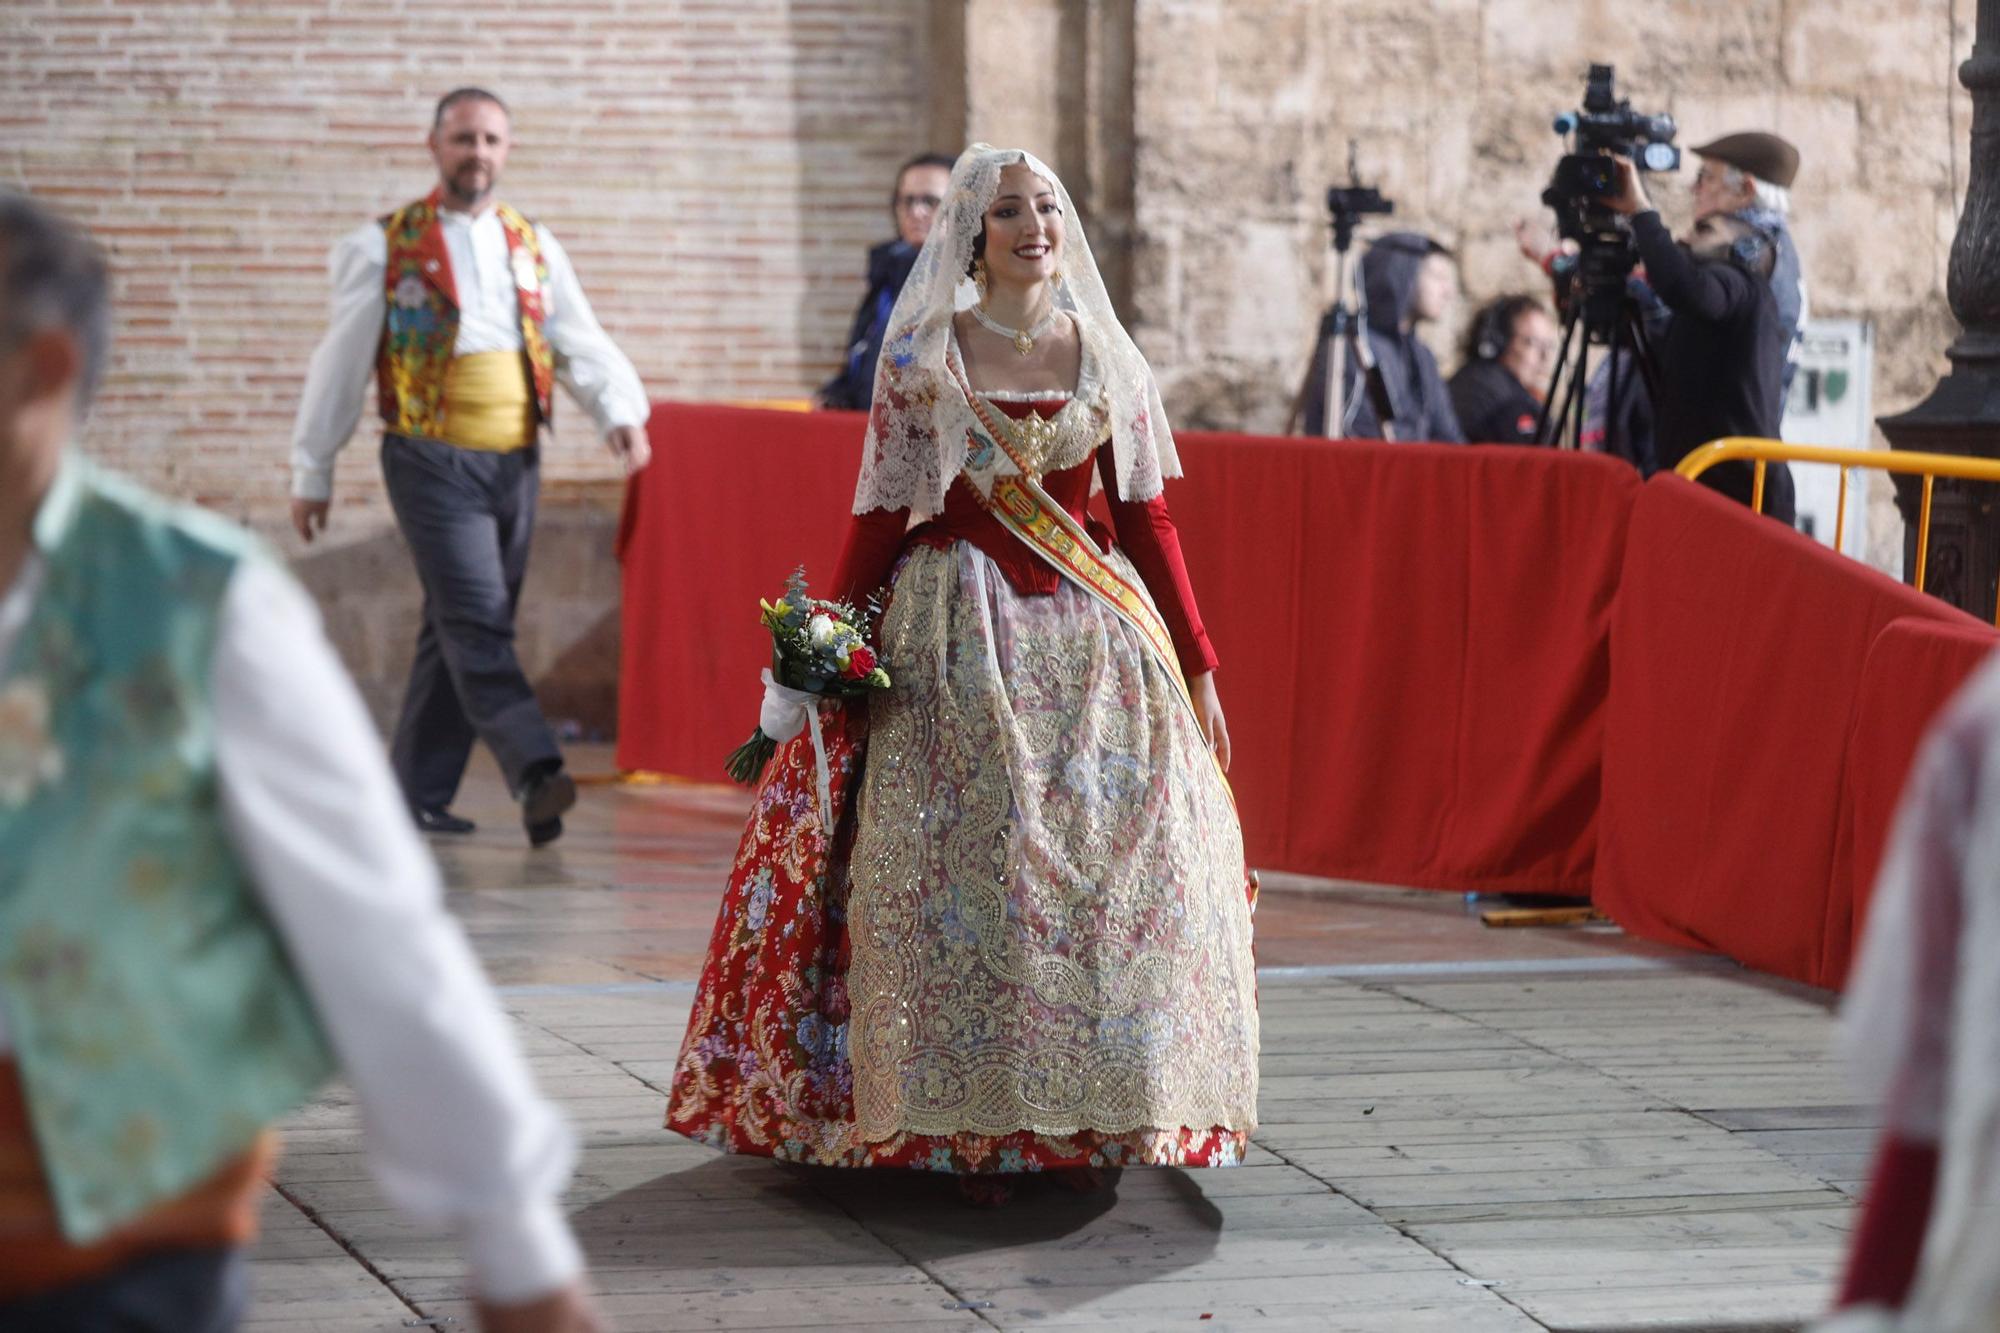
[[1830, 403]]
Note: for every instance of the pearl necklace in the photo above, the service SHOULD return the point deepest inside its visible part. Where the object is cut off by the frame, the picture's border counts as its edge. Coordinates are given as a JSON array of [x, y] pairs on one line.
[[1023, 339]]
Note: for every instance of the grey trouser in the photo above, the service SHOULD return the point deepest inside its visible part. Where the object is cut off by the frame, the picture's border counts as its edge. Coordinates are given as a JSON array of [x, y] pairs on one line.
[[468, 517], [174, 1291]]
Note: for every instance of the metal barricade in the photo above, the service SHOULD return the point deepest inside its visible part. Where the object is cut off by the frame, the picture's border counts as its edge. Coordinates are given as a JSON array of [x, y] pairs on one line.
[[1763, 453]]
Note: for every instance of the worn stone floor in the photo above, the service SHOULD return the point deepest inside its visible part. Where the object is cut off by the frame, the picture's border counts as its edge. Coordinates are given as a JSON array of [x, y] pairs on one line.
[[1462, 1129]]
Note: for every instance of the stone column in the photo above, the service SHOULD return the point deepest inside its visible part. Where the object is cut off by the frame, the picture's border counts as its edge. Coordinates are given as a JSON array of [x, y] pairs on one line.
[[1962, 414], [1054, 77]]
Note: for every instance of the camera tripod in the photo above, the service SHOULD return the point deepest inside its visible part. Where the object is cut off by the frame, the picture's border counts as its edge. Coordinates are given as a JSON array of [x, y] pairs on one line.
[[1608, 316], [1344, 330]]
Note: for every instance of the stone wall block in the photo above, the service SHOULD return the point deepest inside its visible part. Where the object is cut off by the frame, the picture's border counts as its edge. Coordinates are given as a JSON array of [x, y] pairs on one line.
[[1838, 45]]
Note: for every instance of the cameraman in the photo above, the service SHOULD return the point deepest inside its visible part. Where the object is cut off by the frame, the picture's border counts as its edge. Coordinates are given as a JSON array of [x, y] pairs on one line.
[[1752, 169], [1722, 362]]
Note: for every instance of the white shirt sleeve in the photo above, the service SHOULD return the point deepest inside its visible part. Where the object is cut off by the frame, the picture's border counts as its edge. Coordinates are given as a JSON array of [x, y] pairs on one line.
[[337, 377], [456, 1131], [588, 363]]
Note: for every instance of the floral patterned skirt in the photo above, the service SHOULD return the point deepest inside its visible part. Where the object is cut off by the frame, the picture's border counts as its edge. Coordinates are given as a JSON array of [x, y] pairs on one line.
[[1026, 945]]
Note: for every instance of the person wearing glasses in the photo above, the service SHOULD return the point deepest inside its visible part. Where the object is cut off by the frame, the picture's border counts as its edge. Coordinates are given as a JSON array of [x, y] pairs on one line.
[[1510, 348], [920, 188]]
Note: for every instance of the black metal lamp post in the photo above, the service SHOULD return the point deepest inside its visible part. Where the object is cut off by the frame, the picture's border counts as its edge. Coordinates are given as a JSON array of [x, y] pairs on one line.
[[1962, 414]]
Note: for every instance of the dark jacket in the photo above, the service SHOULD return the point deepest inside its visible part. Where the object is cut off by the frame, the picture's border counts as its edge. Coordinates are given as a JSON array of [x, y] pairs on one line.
[[1492, 406], [889, 267], [1417, 397], [1721, 364]]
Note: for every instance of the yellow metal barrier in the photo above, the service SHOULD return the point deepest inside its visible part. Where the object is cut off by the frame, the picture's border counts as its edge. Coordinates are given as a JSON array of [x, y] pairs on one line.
[[1763, 453]]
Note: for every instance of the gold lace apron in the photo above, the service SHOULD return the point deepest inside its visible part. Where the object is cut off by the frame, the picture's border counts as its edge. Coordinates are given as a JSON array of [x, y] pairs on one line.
[[1047, 914]]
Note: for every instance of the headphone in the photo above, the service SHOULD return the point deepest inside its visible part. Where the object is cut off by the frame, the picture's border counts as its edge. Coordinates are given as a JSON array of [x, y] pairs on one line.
[[1493, 331]]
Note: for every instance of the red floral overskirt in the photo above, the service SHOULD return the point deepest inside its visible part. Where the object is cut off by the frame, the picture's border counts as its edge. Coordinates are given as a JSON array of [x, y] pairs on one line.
[[764, 1067]]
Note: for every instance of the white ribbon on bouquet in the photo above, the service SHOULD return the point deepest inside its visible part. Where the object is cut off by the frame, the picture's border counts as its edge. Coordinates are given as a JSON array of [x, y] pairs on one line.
[[785, 712]]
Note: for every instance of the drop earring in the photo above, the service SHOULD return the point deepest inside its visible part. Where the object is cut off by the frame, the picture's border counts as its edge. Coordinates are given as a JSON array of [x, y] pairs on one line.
[[979, 278]]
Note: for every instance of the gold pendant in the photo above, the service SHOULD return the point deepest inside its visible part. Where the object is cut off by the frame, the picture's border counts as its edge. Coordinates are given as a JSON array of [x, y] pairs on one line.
[[1022, 342]]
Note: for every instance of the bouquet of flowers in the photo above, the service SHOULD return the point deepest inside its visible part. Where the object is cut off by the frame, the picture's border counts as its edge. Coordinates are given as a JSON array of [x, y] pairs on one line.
[[819, 649]]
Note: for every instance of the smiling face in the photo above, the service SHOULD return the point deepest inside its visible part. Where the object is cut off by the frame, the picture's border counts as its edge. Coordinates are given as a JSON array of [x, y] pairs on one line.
[[470, 147], [1024, 230]]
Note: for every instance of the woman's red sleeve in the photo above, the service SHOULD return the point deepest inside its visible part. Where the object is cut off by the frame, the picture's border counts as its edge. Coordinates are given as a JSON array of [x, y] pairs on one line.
[[1146, 533], [874, 540]]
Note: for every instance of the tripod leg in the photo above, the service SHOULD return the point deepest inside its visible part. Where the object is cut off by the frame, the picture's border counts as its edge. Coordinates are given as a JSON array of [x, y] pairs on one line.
[[1617, 354], [1569, 435], [1542, 435]]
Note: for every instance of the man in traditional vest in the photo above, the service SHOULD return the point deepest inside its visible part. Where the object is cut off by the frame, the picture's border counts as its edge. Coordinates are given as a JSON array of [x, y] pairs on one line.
[[210, 897], [467, 315]]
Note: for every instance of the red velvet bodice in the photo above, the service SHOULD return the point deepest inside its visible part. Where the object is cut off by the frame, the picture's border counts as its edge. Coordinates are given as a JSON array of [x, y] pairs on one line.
[[1144, 531]]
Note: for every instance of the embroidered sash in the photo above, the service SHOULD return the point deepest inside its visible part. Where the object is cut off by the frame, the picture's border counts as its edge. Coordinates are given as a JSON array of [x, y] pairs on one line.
[[1018, 501]]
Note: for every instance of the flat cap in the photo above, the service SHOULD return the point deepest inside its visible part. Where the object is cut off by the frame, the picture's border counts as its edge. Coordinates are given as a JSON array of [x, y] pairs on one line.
[[1765, 156]]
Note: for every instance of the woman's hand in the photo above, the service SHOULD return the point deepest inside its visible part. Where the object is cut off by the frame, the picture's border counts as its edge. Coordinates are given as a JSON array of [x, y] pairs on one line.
[[1209, 709]]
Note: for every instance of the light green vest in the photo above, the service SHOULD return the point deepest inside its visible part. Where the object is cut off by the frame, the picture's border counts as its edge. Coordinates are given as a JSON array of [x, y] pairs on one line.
[[156, 1020]]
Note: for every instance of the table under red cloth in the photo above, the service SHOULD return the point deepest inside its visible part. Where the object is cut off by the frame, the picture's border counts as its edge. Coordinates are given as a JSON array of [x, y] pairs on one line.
[[1413, 638], [1737, 655], [1413, 642]]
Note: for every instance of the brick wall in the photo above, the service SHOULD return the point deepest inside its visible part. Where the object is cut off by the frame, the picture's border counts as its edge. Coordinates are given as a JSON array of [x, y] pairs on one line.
[[716, 168]]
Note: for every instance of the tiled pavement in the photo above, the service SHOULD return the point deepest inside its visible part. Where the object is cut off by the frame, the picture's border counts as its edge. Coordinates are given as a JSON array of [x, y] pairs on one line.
[[1462, 1129]]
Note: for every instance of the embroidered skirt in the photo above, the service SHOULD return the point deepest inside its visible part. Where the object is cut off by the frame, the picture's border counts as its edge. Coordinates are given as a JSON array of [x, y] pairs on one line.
[[1028, 944]]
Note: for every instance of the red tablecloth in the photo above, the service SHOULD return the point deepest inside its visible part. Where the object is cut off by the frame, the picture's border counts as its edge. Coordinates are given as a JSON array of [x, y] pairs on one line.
[[734, 500], [1913, 669], [1413, 638], [1426, 679], [1413, 644], [1737, 655]]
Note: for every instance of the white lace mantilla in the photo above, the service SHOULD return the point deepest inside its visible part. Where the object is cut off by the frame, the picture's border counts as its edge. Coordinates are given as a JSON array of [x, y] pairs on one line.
[[921, 423]]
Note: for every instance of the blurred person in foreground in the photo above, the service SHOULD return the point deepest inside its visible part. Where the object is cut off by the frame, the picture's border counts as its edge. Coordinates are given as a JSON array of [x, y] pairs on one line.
[[919, 191], [1407, 279], [1721, 363], [1922, 1028], [467, 315], [211, 897], [1509, 352]]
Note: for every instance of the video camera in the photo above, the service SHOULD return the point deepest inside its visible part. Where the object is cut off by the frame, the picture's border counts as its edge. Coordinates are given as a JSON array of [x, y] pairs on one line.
[[1347, 204], [1605, 125], [1594, 289]]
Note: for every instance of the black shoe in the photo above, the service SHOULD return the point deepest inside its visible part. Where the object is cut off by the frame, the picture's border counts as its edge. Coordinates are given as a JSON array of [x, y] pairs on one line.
[[441, 821], [546, 793]]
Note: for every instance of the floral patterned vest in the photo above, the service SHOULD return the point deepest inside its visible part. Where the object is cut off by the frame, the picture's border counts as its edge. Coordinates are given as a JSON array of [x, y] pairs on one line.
[[158, 1025], [422, 325]]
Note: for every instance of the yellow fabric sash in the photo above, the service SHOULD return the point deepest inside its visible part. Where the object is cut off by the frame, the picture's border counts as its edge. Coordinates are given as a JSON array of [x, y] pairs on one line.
[[488, 404]]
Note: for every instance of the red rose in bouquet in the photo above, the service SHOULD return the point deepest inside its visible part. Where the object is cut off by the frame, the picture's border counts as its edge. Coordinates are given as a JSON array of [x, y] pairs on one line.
[[818, 648]]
